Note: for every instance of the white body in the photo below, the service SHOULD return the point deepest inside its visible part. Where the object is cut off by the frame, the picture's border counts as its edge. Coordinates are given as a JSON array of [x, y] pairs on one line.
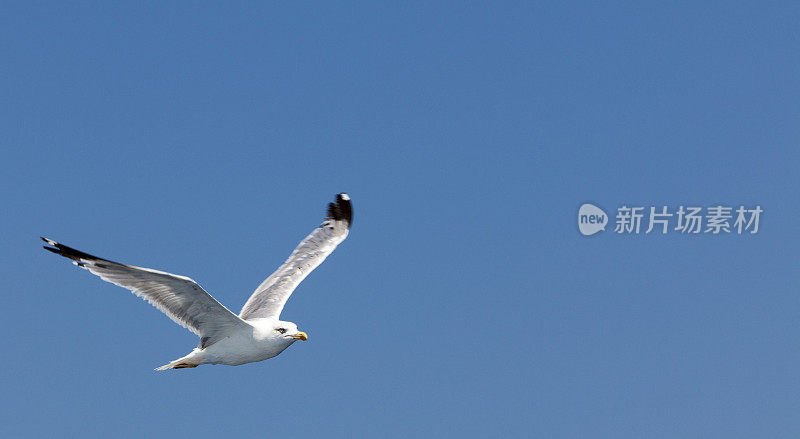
[[255, 342]]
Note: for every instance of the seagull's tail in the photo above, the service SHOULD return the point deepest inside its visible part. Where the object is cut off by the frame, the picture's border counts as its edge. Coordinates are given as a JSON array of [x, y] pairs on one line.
[[182, 363], [166, 366], [177, 364]]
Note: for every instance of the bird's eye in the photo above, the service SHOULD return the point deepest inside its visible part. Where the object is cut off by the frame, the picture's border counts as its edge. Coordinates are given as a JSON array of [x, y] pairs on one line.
[[281, 330]]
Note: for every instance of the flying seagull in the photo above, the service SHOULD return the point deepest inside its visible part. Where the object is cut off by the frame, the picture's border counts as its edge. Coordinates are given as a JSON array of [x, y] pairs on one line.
[[257, 333]]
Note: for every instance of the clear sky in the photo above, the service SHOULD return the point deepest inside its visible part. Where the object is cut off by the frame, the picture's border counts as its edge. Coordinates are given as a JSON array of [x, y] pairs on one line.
[[205, 140]]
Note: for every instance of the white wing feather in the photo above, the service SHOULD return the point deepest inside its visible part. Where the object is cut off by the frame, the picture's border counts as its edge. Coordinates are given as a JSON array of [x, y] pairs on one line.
[[179, 297], [270, 297]]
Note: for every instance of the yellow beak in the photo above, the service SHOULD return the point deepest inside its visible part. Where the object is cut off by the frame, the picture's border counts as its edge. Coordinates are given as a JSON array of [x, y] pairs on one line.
[[299, 336]]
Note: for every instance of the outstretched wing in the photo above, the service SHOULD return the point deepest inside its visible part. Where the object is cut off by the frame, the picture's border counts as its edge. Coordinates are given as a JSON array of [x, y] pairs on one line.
[[270, 297], [179, 297]]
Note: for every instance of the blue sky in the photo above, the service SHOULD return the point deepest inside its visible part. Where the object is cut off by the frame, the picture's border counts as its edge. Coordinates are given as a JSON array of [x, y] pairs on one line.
[[205, 141]]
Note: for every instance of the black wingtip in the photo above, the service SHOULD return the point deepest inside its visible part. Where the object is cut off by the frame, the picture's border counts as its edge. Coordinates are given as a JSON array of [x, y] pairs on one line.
[[342, 209], [69, 252], [54, 250], [54, 244]]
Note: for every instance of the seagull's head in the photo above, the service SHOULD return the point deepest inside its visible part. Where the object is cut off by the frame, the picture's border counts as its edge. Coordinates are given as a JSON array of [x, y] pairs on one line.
[[288, 332]]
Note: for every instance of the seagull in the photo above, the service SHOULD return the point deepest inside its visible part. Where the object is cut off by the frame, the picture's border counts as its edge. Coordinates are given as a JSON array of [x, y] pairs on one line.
[[257, 333]]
